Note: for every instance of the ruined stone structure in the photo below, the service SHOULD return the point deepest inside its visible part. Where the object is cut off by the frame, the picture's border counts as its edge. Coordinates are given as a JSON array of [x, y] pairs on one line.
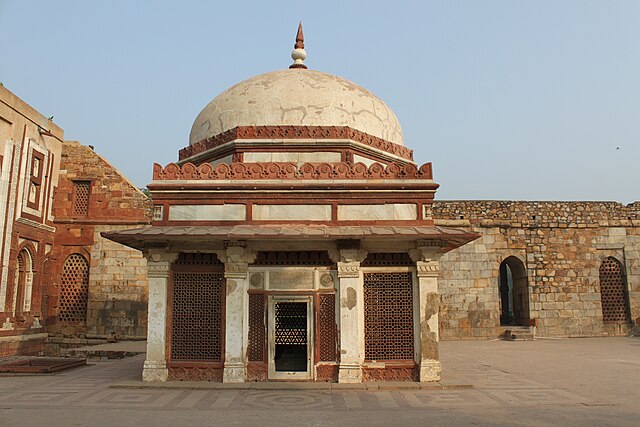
[[294, 240], [574, 267], [97, 288], [58, 274], [30, 146]]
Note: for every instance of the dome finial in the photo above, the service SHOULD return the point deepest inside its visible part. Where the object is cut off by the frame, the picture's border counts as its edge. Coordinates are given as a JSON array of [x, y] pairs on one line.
[[298, 55]]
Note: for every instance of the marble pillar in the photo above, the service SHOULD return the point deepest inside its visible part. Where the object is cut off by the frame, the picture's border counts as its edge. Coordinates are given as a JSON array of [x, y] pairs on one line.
[[236, 259], [351, 312], [158, 268], [427, 270]]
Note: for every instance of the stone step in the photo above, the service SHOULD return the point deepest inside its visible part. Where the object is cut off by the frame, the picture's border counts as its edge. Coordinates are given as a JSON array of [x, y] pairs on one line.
[[516, 333]]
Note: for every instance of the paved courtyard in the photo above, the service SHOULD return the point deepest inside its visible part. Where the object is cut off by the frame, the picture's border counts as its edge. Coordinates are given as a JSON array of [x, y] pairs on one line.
[[560, 382]]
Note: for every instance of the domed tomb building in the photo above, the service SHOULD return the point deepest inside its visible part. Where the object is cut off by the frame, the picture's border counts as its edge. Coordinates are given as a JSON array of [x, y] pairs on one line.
[[293, 240]]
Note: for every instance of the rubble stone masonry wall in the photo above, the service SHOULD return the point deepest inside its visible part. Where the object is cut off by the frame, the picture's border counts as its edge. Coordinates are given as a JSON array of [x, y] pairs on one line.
[[117, 283], [561, 245]]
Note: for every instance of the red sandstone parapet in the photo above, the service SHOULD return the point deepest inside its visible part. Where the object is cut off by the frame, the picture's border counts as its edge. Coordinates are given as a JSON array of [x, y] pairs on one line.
[[307, 171], [295, 132]]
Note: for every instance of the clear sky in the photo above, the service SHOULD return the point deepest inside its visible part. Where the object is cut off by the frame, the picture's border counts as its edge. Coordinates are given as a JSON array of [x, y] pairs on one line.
[[508, 99]]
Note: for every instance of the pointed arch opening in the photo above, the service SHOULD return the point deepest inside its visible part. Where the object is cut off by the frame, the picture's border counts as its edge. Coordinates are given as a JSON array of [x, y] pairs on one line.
[[514, 292], [23, 283], [613, 292]]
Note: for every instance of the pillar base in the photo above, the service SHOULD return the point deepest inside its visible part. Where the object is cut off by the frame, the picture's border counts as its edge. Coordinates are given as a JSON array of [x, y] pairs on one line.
[[155, 371], [430, 371], [350, 374], [234, 374]]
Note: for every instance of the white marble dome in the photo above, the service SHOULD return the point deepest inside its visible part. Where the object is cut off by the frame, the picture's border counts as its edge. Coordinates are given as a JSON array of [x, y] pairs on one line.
[[297, 97]]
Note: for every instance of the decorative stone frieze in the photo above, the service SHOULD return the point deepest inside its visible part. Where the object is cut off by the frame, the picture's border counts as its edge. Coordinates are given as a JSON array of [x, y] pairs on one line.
[[294, 132], [290, 171]]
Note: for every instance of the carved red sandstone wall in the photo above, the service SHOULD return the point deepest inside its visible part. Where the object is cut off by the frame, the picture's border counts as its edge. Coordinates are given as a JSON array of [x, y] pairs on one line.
[[308, 171], [295, 132]]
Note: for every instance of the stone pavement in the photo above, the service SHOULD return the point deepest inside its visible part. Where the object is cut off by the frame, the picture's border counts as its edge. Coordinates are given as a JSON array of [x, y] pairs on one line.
[[545, 382]]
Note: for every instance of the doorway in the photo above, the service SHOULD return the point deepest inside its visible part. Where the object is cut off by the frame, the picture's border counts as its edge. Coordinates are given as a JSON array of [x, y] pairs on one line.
[[514, 293], [290, 349]]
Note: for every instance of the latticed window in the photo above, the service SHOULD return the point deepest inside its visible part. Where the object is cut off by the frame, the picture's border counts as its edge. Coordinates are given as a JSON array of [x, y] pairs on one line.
[[74, 289], [327, 329], [196, 316], [257, 328], [81, 190], [388, 316], [613, 292]]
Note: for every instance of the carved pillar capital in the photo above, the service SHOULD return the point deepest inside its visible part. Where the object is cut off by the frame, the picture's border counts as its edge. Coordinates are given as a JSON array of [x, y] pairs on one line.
[[159, 262], [236, 258], [348, 261], [427, 269]]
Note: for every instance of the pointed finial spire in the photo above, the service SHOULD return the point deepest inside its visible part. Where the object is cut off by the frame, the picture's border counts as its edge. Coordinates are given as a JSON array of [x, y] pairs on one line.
[[298, 55]]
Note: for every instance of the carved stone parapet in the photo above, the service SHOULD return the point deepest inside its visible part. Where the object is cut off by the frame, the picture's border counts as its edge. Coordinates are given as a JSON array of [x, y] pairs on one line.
[[294, 132], [154, 371], [159, 262]]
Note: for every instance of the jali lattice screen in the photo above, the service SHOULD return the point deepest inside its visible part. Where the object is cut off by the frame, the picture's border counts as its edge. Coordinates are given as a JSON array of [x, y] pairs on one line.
[[388, 316], [74, 289], [327, 329], [257, 328], [196, 316], [613, 292], [291, 323], [81, 191]]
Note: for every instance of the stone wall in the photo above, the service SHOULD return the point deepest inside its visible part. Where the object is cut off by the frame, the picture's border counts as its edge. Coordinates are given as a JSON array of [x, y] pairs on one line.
[[117, 291], [561, 245]]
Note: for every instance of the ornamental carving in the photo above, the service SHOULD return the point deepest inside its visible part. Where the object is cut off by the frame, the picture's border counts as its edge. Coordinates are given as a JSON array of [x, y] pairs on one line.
[[327, 373], [289, 171], [348, 269], [236, 261], [326, 280], [257, 281], [257, 372], [390, 374], [295, 132], [159, 262], [427, 269], [195, 373]]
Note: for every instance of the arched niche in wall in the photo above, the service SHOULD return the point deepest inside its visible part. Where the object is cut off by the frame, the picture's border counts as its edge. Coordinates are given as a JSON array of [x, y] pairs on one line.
[[514, 292]]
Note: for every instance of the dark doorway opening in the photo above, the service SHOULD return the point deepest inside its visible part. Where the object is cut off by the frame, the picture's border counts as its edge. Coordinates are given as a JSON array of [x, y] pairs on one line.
[[291, 352], [514, 293]]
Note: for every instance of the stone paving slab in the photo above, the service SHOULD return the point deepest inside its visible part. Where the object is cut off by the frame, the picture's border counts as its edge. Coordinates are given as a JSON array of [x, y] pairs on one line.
[[565, 382], [204, 385]]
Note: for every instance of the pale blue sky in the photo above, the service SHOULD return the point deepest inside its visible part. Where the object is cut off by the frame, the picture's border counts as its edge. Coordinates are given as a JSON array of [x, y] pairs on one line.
[[508, 99]]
